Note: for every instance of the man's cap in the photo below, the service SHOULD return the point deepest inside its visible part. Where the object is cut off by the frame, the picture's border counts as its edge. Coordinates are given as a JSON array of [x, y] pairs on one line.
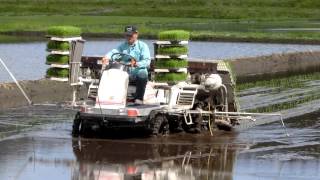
[[129, 30]]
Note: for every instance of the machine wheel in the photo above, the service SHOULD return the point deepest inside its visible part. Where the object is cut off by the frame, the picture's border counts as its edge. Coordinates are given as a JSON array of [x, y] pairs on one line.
[[175, 124], [76, 125], [86, 129], [158, 125]]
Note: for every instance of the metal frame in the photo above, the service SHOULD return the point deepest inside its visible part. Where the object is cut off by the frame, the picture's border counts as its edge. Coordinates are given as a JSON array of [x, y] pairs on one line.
[[239, 116]]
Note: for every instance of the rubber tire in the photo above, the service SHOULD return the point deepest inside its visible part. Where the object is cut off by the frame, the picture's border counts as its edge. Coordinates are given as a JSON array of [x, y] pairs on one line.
[[85, 130], [156, 124], [76, 125]]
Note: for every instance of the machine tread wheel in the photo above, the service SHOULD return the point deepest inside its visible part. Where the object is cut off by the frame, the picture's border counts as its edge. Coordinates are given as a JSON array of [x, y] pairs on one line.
[[158, 125], [76, 125]]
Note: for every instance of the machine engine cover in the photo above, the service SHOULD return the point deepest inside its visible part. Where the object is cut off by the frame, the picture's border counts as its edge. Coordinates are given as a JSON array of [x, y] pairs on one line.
[[112, 91], [213, 82]]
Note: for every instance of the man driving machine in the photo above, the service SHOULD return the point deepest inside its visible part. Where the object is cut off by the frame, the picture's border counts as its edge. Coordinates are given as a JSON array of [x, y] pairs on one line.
[[140, 61]]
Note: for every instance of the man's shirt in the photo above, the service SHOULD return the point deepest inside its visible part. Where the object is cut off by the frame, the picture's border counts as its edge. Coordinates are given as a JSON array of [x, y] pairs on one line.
[[139, 50]]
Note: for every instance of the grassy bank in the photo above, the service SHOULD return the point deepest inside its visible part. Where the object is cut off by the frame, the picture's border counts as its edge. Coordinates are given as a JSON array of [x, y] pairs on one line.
[[200, 28], [229, 20], [216, 9]]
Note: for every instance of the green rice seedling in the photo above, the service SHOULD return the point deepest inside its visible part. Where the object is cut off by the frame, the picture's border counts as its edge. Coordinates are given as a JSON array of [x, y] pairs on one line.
[[64, 31], [174, 35], [58, 72], [286, 105], [57, 59], [170, 77], [171, 63], [58, 45], [295, 81], [173, 50]]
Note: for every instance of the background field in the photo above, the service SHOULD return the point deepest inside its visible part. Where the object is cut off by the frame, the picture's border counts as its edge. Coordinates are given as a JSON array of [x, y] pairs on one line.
[[246, 20]]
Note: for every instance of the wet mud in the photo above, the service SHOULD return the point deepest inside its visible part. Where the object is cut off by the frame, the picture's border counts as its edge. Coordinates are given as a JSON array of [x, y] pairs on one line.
[[41, 91]]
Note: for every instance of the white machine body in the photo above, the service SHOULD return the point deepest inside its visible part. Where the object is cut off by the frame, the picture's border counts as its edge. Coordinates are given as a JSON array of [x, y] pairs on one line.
[[112, 91]]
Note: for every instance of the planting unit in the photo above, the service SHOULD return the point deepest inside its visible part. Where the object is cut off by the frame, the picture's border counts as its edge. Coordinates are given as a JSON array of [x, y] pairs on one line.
[[59, 48]]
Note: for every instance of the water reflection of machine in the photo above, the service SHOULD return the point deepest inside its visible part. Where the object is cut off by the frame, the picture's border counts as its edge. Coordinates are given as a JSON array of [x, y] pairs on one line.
[[139, 160]]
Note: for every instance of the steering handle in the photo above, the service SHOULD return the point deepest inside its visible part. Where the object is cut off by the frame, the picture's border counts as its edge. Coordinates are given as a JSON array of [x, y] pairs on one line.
[[121, 56]]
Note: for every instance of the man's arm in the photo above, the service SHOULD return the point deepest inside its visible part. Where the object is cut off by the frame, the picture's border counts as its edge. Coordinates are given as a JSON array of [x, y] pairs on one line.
[[145, 58], [116, 50], [107, 57]]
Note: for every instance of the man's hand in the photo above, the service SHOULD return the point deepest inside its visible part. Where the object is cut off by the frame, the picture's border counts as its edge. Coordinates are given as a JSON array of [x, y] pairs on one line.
[[105, 60], [133, 63]]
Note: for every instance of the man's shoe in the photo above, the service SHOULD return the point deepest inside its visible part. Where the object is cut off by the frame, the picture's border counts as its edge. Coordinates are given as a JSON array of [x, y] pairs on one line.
[[138, 102]]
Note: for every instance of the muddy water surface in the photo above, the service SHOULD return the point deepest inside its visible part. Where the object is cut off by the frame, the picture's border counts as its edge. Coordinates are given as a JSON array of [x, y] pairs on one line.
[[48, 151]]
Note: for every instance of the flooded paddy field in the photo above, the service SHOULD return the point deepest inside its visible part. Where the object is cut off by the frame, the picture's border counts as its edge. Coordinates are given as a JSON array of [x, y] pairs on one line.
[[261, 152], [279, 94]]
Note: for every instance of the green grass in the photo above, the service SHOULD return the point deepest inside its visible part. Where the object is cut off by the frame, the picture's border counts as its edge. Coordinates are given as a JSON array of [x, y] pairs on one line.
[[64, 31], [295, 81], [57, 59], [170, 77], [200, 28], [171, 63], [58, 45], [174, 35], [58, 72], [215, 9], [19, 39], [245, 20], [173, 50]]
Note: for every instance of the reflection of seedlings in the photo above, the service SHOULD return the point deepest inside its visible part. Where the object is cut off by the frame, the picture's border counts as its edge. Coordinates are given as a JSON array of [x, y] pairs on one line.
[[296, 81], [35, 121], [64, 31], [286, 105], [9, 130]]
